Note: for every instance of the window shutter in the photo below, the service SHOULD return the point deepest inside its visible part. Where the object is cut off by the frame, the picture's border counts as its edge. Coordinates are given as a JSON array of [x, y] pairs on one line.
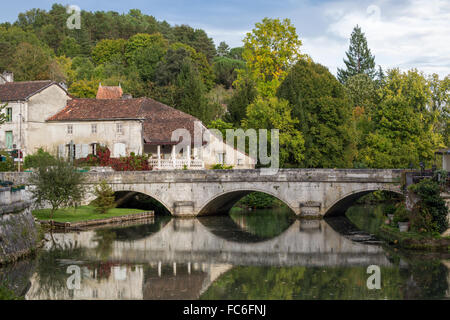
[[77, 151], [84, 150], [61, 151]]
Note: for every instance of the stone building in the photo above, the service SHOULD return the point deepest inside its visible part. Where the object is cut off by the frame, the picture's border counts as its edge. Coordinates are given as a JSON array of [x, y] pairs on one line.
[[28, 105], [41, 114]]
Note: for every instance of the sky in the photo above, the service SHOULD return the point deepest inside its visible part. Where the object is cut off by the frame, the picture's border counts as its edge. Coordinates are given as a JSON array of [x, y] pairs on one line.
[[402, 33]]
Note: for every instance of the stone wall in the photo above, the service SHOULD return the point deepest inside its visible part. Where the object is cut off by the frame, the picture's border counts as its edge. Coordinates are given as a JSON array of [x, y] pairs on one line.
[[18, 233]]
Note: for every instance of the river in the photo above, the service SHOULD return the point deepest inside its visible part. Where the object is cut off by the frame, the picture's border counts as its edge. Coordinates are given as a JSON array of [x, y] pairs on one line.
[[261, 254]]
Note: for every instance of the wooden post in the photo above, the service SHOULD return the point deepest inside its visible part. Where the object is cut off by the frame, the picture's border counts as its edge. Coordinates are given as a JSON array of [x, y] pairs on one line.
[[189, 156], [173, 156], [159, 156]]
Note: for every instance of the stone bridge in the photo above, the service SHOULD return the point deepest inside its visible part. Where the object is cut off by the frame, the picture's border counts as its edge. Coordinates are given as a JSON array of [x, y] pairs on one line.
[[308, 192]]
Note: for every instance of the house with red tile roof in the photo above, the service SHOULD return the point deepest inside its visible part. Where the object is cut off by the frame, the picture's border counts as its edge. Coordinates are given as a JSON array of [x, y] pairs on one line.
[[71, 127], [28, 105]]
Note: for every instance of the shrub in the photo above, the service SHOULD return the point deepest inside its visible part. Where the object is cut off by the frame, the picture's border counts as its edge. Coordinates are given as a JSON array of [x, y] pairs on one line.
[[6, 162], [401, 214], [431, 202], [40, 158], [422, 220], [220, 166], [103, 158], [105, 197]]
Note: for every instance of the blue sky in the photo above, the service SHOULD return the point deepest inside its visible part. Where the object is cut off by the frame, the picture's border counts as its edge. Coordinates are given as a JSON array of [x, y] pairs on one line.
[[404, 34]]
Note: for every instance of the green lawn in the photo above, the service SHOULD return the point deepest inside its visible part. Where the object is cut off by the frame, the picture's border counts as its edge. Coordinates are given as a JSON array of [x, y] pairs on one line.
[[82, 213]]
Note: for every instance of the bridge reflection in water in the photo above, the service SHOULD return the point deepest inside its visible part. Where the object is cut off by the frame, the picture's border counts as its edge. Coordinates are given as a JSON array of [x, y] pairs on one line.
[[182, 258]]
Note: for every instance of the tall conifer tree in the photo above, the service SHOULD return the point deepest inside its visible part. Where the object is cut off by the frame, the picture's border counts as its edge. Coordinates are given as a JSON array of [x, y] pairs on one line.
[[359, 58]]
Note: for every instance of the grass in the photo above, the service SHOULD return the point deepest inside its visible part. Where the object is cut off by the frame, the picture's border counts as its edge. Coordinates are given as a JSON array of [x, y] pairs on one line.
[[82, 213]]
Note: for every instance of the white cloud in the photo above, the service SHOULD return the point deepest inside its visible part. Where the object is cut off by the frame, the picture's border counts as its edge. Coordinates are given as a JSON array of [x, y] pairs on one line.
[[414, 35]]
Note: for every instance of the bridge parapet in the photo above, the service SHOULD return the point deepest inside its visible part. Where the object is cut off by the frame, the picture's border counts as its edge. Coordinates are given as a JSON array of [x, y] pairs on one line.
[[283, 175]]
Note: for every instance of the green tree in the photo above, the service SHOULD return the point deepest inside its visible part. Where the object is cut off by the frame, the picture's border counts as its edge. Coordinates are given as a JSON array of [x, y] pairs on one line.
[[84, 88], [244, 95], [59, 185], [236, 53], [69, 47], [324, 112], [2, 114], [225, 70], [403, 131], [432, 204], [31, 62], [359, 58], [440, 104], [39, 159], [363, 94], [108, 50], [269, 50], [190, 97], [272, 113], [105, 197], [195, 38], [223, 49]]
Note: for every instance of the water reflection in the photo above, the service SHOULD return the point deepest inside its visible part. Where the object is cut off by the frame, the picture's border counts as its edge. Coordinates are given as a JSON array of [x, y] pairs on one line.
[[198, 259]]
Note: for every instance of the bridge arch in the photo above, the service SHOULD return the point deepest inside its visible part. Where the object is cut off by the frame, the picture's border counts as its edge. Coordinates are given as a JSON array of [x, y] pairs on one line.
[[221, 203], [340, 206], [137, 188]]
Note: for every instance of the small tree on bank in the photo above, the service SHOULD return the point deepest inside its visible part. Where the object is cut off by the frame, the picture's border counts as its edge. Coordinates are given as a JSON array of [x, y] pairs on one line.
[[60, 185], [105, 197]]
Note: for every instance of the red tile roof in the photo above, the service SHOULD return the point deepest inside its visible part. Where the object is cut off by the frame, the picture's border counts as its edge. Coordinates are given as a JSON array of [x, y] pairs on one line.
[[109, 92], [94, 109], [159, 119], [18, 91]]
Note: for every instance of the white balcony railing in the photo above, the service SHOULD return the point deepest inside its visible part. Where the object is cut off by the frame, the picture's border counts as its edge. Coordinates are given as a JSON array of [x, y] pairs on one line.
[[171, 164]]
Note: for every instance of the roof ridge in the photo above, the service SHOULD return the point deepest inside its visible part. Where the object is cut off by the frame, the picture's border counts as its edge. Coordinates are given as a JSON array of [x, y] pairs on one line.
[[29, 81]]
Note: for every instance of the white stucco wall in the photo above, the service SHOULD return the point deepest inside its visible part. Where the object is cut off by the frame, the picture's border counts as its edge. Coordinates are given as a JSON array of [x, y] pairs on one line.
[[237, 159], [106, 134], [14, 125]]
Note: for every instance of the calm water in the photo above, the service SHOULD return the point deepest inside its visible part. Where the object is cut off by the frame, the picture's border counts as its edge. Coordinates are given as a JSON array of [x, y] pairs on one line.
[[264, 254]]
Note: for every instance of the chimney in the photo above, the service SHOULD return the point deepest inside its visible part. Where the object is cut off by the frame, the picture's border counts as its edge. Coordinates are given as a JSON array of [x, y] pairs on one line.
[[8, 76]]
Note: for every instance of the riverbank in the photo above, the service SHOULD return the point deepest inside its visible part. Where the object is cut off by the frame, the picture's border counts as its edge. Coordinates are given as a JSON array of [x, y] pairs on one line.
[[82, 213], [413, 241], [19, 236]]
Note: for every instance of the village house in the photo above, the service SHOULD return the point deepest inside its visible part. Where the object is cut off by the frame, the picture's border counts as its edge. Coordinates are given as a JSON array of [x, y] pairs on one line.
[[41, 114]]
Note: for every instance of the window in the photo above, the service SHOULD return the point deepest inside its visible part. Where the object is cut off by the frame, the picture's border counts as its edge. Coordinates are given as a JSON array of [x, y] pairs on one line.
[[220, 158], [93, 128], [69, 129], [240, 162], [9, 139], [8, 114], [119, 128]]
